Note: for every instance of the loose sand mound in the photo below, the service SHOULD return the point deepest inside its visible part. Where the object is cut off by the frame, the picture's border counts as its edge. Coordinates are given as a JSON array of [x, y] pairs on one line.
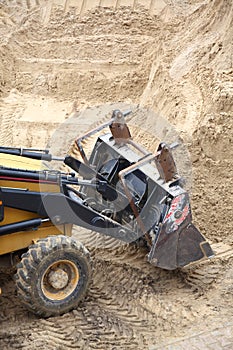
[[171, 57]]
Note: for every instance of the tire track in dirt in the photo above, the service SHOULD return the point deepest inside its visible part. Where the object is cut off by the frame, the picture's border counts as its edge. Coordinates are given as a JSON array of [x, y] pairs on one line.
[[202, 276], [107, 311], [135, 277], [112, 307]]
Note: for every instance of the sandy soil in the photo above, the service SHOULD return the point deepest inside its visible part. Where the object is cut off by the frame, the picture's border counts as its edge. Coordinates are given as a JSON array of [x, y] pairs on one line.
[[64, 66]]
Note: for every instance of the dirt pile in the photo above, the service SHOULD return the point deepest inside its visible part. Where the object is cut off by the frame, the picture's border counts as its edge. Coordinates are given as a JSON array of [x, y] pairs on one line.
[[175, 59]]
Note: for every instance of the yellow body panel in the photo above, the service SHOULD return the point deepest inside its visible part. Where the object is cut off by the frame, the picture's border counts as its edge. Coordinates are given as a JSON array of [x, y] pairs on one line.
[[17, 162], [16, 241], [20, 240]]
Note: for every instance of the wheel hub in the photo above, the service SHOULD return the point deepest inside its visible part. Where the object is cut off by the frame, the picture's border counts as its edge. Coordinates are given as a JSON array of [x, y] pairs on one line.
[[58, 278]]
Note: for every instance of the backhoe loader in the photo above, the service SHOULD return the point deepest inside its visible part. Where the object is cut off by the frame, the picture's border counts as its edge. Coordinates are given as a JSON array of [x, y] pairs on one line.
[[121, 190]]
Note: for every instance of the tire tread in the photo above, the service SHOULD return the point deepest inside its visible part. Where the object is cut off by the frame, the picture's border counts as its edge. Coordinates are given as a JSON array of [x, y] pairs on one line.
[[28, 265]]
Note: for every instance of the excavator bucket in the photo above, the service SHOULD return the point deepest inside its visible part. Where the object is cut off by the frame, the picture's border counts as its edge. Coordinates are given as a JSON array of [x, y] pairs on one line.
[[178, 241]]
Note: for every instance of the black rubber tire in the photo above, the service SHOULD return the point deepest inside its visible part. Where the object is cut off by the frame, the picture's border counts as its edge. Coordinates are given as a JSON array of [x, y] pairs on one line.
[[31, 272]]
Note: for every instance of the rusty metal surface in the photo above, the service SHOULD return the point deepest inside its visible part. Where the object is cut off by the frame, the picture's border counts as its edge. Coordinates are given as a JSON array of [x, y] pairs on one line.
[[165, 163]]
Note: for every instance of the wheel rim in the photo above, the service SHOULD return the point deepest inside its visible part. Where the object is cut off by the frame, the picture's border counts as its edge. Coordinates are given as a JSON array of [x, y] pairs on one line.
[[60, 280]]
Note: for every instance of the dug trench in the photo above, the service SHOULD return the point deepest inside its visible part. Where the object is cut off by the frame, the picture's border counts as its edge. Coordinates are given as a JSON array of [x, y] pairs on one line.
[[65, 61]]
